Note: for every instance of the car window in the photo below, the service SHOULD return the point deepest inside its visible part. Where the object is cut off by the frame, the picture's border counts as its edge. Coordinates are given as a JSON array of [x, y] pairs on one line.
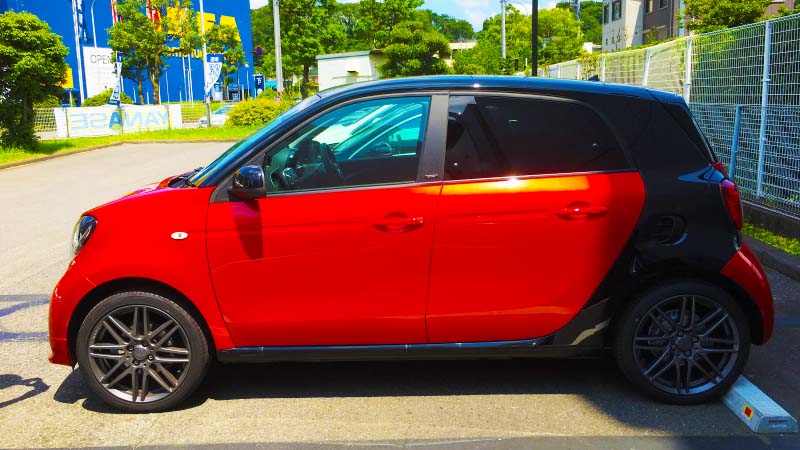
[[371, 142], [493, 136]]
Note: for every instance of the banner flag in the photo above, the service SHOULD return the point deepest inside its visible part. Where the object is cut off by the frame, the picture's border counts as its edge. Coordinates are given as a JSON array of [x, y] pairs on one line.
[[213, 70]]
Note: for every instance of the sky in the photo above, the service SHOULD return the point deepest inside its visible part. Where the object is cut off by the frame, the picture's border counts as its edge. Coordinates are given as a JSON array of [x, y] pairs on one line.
[[475, 11]]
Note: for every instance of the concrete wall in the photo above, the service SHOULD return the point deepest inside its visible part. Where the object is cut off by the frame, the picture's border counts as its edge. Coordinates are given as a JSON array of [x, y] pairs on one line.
[[342, 70]]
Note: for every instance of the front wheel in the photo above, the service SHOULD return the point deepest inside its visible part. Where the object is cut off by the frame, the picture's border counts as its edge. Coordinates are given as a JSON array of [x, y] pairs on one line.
[[141, 352], [683, 343]]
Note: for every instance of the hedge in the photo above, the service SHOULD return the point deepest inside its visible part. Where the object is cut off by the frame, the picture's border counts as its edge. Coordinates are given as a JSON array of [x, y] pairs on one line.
[[256, 112]]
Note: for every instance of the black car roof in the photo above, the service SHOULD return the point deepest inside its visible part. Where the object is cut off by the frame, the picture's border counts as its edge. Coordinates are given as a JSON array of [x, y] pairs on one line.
[[484, 83]]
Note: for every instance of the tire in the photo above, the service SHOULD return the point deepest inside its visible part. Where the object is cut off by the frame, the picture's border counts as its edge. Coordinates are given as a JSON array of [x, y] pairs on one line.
[[674, 355], [148, 353]]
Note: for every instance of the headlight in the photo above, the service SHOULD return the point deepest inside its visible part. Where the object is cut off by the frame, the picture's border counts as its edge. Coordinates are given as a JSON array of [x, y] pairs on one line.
[[83, 231]]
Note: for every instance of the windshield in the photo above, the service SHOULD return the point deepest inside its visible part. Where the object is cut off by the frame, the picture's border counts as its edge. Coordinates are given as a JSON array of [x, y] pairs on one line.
[[252, 139]]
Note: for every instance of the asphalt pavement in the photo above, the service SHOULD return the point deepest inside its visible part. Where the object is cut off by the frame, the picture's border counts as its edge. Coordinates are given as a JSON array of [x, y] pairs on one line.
[[506, 404]]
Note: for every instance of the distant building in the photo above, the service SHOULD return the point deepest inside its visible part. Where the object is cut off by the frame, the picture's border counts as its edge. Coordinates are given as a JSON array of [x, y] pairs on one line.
[[181, 80], [345, 68], [661, 20], [775, 5], [622, 24], [456, 47]]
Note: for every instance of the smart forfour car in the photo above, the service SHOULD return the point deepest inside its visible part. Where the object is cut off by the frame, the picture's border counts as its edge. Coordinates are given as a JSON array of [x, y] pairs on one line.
[[440, 217]]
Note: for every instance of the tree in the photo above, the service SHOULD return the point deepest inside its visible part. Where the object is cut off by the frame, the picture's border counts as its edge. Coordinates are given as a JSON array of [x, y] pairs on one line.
[[558, 36], [31, 68], [486, 57], [710, 15], [225, 39], [591, 19], [455, 30], [307, 30], [145, 44], [378, 19], [415, 48]]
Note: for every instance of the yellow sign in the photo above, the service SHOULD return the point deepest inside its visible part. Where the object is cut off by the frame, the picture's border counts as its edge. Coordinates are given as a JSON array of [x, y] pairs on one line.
[[67, 83]]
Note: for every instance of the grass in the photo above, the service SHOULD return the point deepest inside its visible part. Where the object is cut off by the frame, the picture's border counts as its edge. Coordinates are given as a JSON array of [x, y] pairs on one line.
[[55, 146], [789, 245]]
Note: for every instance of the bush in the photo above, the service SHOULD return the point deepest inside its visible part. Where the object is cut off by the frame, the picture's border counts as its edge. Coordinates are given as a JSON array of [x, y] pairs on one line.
[[51, 101], [102, 98], [256, 112]]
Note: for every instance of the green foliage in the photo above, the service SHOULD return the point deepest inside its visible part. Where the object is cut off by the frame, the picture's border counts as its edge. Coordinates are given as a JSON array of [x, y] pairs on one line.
[[558, 36], [455, 30], [145, 45], [711, 15], [31, 68], [486, 58], [225, 39], [591, 19], [378, 19], [50, 101], [415, 49], [789, 245], [102, 98], [589, 63], [258, 111]]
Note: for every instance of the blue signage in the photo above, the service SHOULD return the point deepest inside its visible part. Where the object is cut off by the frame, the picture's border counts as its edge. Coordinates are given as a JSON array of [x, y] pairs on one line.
[[259, 84]]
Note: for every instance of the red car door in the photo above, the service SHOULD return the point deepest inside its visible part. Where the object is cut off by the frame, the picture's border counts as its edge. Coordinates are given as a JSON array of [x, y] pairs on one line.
[[338, 252], [533, 215]]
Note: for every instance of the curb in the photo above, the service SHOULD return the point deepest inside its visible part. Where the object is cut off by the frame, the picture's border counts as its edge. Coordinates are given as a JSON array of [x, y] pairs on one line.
[[774, 258], [25, 162]]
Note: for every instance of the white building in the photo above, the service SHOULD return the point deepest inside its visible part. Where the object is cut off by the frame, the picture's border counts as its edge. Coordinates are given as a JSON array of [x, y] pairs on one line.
[[623, 22], [345, 68]]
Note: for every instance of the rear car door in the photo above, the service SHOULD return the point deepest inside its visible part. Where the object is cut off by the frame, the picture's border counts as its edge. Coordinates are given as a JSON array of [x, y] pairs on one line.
[[338, 252], [538, 201]]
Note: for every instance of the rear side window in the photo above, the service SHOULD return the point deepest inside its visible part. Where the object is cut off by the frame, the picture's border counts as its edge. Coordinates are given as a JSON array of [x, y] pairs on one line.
[[494, 136]]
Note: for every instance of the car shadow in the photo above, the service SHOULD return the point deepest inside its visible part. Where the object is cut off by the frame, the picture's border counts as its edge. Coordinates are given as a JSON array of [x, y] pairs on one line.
[[31, 386], [595, 381]]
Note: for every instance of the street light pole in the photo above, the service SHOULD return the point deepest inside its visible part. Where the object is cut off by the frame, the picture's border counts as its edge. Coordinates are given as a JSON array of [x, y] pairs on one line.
[[205, 64], [535, 38], [503, 27], [278, 57]]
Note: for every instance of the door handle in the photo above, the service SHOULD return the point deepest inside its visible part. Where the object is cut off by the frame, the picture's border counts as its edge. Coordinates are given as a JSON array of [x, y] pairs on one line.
[[398, 223], [582, 211]]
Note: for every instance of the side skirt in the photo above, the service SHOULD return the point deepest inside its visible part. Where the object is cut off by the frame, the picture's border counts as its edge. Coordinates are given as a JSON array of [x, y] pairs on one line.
[[529, 348]]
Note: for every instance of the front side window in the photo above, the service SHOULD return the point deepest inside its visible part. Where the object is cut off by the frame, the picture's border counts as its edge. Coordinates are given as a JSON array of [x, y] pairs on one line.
[[605, 14], [493, 136], [371, 142], [616, 10], [648, 6]]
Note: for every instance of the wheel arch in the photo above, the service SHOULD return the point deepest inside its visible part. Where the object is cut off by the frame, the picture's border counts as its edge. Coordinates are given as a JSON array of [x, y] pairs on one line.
[[671, 271], [102, 291]]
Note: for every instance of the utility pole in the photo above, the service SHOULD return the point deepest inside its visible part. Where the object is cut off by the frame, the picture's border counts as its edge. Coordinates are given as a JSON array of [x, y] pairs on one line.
[[278, 58], [535, 37], [206, 96], [503, 27]]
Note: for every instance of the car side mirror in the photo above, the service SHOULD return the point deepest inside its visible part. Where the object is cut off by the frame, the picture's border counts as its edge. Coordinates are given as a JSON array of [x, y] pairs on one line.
[[248, 183]]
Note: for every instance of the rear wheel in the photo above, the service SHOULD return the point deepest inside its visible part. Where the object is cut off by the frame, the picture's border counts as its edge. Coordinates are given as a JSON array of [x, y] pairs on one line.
[[141, 352], [684, 342]]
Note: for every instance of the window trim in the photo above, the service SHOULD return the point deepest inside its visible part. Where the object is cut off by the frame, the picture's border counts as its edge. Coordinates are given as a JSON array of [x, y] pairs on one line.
[[222, 193], [623, 144]]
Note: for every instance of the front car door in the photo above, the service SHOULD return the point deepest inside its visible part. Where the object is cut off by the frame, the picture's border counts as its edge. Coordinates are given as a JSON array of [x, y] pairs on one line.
[[537, 203], [338, 252]]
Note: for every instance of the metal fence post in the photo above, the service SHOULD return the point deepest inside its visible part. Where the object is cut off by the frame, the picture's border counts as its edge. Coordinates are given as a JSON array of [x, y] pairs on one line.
[[687, 76], [646, 67], [762, 131], [737, 123], [578, 71], [603, 67], [558, 71]]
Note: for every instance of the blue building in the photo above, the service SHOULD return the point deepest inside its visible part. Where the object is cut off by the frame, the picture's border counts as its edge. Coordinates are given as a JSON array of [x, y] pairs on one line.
[[183, 78]]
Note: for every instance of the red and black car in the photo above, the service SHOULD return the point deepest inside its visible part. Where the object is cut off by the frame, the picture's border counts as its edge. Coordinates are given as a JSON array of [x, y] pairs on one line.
[[441, 217]]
